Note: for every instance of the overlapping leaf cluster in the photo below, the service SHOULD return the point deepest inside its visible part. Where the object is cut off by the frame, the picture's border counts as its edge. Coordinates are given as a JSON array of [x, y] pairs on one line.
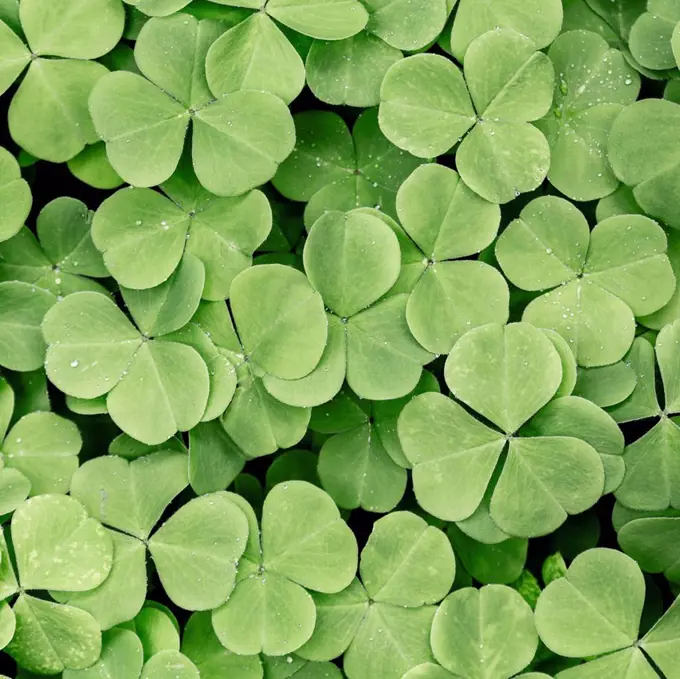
[[357, 319]]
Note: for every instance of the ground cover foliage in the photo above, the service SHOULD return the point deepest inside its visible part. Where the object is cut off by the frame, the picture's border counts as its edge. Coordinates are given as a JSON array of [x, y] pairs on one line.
[[340, 338]]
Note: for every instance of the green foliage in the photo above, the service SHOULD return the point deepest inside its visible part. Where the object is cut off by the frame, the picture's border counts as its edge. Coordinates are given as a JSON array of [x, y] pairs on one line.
[[354, 321]]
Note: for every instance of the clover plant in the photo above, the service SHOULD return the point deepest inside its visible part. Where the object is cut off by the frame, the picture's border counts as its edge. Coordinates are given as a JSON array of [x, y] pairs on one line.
[[340, 339]]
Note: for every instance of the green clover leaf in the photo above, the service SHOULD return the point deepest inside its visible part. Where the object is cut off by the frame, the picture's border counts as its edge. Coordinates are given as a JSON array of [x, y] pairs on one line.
[[600, 280], [651, 35], [48, 115], [333, 170], [595, 609], [488, 370], [383, 625], [502, 154], [303, 544], [62, 259], [237, 142]]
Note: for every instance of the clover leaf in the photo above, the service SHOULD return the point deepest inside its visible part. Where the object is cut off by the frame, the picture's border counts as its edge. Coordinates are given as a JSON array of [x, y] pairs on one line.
[[222, 233], [650, 538], [333, 83], [595, 609], [62, 259], [303, 544], [92, 166], [502, 154], [333, 170], [38, 455], [651, 480], [197, 568], [22, 309], [48, 115], [15, 195], [540, 21], [435, 209], [237, 142], [370, 340], [93, 350], [593, 86], [489, 371], [503, 641], [362, 463], [598, 281], [56, 544], [382, 626], [650, 38]]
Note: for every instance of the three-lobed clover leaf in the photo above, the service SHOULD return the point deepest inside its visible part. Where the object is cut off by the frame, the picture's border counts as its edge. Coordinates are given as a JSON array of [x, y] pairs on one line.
[[594, 83], [353, 259], [303, 544], [595, 610], [237, 141], [144, 235], [331, 169], [446, 221], [48, 115], [598, 280], [56, 545], [382, 623], [15, 196], [194, 551], [427, 106], [154, 387], [62, 258], [507, 375]]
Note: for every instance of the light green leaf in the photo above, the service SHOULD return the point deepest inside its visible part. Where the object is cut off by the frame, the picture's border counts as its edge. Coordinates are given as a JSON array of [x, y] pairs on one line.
[[214, 459], [58, 546], [404, 24], [604, 591], [51, 638], [406, 562], [240, 141], [44, 448], [280, 320], [169, 665], [157, 628], [340, 250], [668, 357], [442, 441], [15, 56], [143, 127], [121, 596], [92, 167], [170, 305], [476, 632], [425, 107], [49, 116], [332, 82], [122, 657], [356, 471], [80, 29], [321, 19], [130, 496], [7, 624], [266, 613], [14, 489], [489, 371], [255, 55], [196, 550], [304, 538], [203, 648], [15, 194], [606, 386]]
